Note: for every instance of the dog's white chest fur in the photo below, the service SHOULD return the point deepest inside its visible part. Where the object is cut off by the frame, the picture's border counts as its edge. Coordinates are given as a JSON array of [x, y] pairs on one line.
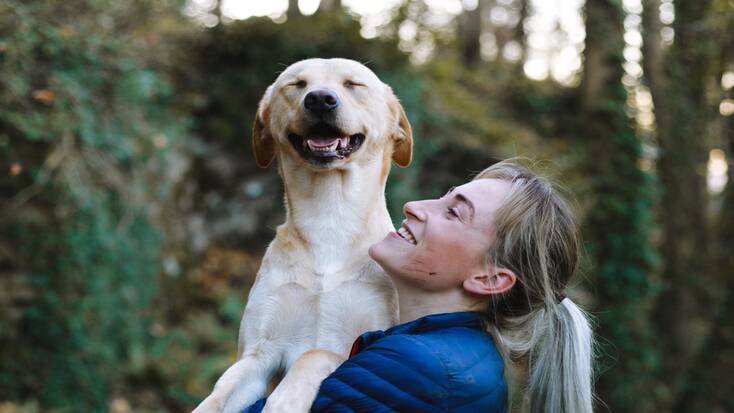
[[317, 287], [327, 311], [332, 222]]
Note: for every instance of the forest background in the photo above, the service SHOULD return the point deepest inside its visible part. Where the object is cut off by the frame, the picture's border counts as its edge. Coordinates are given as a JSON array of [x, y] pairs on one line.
[[133, 218]]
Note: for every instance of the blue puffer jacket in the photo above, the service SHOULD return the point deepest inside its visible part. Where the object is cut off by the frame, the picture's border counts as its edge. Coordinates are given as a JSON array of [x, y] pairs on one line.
[[438, 363]]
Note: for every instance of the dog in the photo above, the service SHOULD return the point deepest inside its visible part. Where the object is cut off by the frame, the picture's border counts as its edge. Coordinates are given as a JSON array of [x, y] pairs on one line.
[[334, 129]]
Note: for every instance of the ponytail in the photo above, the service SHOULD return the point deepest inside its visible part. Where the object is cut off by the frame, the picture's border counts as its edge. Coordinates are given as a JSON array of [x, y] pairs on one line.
[[555, 347], [560, 363]]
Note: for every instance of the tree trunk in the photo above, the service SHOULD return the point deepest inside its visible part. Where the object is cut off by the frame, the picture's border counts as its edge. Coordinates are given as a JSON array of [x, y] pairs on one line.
[[617, 226], [293, 10], [329, 5], [709, 386], [470, 30], [519, 33], [653, 62], [682, 113]]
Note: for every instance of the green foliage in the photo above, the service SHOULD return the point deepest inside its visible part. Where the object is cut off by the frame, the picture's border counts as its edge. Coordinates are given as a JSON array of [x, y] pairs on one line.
[[87, 120], [94, 283]]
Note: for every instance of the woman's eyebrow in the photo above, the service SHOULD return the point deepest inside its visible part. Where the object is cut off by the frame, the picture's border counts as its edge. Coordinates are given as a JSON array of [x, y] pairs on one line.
[[462, 198]]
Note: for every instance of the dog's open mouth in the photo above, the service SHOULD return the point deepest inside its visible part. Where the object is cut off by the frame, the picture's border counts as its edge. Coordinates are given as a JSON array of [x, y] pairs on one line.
[[324, 144]]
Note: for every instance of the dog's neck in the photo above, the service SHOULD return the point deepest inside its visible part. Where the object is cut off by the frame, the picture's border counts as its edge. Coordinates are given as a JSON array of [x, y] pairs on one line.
[[337, 212]]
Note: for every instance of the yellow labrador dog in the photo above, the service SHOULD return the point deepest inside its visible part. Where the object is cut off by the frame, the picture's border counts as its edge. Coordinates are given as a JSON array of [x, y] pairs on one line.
[[334, 128]]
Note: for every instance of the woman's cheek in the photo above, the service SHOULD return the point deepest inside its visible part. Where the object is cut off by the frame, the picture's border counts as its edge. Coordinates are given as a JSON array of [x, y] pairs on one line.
[[422, 266], [393, 260]]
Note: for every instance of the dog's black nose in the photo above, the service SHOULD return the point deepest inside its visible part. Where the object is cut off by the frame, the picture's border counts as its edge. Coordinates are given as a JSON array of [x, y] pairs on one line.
[[321, 101]]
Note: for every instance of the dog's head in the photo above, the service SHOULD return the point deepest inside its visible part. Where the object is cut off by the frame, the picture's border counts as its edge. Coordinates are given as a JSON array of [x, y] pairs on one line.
[[328, 112]]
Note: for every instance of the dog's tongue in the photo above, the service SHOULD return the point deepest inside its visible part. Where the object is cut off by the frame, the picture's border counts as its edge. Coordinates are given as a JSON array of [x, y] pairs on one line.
[[321, 142]]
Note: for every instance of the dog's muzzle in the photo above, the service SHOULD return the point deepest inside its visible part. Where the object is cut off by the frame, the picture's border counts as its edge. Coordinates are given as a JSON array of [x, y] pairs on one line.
[[324, 144]]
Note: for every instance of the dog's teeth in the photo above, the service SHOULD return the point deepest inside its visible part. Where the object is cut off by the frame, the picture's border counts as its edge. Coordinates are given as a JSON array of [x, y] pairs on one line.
[[316, 148]]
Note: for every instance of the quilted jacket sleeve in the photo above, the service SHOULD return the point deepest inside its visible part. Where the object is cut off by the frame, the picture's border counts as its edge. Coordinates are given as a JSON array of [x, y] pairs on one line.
[[398, 373]]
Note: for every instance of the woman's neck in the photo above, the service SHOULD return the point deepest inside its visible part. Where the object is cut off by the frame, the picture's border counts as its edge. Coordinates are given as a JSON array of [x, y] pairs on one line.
[[416, 303]]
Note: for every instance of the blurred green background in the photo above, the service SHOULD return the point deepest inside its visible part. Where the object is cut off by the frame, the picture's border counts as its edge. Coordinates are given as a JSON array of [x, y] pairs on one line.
[[134, 218]]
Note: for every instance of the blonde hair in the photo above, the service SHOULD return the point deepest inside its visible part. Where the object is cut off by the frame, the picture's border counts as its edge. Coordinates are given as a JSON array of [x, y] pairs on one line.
[[544, 338]]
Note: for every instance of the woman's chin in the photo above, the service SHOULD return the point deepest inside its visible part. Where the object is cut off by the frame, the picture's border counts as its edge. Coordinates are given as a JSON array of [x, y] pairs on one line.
[[378, 250], [385, 251], [373, 252]]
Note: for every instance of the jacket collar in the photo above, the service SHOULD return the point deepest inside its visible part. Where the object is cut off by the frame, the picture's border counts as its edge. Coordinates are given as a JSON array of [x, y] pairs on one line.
[[425, 324], [437, 322]]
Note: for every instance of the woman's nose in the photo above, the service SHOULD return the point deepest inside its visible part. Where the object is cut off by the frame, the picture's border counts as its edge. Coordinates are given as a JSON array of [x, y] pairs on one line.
[[415, 210]]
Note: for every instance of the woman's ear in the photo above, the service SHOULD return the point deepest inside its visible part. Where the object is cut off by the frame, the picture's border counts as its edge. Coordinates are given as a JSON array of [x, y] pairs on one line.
[[402, 135], [499, 281], [263, 144]]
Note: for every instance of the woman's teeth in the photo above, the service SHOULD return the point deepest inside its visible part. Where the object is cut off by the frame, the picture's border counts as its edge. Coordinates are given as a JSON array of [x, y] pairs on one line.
[[407, 235]]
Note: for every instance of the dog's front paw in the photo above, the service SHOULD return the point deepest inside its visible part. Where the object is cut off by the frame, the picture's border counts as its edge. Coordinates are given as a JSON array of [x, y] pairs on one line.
[[294, 394], [240, 399], [209, 405], [286, 403]]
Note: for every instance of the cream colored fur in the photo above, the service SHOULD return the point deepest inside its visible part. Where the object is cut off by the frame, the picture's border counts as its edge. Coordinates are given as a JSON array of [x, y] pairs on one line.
[[317, 288]]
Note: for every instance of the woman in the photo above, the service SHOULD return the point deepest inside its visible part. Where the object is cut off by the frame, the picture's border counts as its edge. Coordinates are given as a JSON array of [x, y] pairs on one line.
[[480, 275]]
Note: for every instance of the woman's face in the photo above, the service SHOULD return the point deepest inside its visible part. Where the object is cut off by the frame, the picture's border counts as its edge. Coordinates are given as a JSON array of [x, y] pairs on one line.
[[443, 241]]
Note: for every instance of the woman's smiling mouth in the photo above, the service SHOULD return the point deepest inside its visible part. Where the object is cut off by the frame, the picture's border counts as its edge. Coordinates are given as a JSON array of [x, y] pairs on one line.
[[405, 233]]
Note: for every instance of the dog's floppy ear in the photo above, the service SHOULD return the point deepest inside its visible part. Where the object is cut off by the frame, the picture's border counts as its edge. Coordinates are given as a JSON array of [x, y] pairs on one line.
[[402, 134], [263, 144]]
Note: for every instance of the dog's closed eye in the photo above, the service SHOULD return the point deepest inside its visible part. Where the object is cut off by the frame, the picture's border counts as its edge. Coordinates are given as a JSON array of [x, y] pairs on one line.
[[351, 84]]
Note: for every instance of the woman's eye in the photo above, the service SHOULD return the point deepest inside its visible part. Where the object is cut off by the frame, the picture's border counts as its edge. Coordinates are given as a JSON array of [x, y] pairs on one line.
[[452, 212]]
